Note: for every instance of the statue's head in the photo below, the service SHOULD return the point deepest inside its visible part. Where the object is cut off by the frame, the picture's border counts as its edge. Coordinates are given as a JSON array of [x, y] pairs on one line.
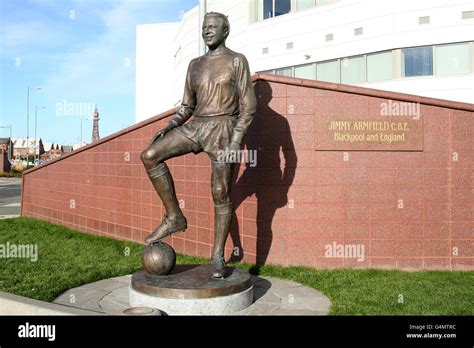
[[215, 29]]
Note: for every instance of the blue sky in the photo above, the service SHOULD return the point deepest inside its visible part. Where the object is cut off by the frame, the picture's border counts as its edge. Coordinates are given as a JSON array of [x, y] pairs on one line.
[[80, 52]]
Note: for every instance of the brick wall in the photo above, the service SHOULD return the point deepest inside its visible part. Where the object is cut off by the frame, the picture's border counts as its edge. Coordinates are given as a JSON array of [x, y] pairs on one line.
[[296, 201]]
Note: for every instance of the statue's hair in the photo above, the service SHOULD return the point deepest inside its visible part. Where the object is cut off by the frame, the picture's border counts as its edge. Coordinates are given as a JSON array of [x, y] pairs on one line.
[[222, 17]]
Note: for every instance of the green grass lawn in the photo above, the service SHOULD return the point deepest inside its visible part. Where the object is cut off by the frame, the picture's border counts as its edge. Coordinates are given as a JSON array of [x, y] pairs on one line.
[[68, 259]]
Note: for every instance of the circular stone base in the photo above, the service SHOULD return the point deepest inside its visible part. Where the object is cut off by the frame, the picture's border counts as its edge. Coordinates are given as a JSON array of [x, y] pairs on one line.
[[190, 290]]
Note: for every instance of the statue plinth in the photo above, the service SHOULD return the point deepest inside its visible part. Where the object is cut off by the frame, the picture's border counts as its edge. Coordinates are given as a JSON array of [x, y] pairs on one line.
[[189, 290]]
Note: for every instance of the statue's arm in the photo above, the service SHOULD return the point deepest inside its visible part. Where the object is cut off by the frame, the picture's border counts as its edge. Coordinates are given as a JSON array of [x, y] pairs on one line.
[[188, 103], [186, 109], [248, 101]]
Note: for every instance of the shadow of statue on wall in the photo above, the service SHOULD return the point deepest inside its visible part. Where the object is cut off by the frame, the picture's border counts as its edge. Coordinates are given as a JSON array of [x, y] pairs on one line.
[[267, 178]]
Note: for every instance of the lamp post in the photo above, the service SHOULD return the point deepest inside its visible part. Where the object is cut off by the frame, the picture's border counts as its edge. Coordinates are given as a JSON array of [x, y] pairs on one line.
[[28, 122], [202, 14], [85, 118], [36, 125]]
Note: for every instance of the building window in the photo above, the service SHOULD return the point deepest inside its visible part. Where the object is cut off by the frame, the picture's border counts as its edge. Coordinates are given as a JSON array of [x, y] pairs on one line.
[[447, 59], [329, 37], [284, 72], [289, 45], [272, 8], [353, 70], [281, 7], [265, 50], [267, 9], [452, 59], [328, 71], [305, 72], [380, 66], [417, 61]]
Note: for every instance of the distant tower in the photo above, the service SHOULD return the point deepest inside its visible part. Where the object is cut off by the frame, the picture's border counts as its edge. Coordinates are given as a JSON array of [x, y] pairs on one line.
[[95, 128]]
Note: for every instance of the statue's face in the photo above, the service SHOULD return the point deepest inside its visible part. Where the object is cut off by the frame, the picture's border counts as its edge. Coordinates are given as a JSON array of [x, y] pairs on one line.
[[213, 32]]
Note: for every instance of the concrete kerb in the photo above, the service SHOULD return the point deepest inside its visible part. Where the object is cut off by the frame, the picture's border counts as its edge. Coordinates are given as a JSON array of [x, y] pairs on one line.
[[18, 305]]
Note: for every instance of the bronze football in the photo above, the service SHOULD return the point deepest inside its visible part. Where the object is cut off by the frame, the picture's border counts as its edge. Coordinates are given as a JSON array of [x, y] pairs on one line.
[[158, 259]]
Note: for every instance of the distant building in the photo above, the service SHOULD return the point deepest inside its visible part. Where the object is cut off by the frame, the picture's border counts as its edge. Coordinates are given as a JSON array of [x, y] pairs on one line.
[[6, 146], [5, 165], [66, 149], [48, 146], [22, 149], [422, 47], [55, 151], [6, 152], [79, 145], [49, 151]]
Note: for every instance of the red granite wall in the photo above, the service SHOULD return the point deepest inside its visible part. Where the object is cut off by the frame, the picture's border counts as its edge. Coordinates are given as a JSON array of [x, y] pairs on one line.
[[407, 210]]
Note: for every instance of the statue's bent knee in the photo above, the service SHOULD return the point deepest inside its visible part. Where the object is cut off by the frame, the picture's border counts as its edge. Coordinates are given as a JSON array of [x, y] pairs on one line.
[[148, 155]]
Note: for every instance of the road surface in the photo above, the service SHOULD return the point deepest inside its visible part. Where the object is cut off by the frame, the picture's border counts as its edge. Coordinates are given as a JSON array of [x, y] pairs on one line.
[[10, 197]]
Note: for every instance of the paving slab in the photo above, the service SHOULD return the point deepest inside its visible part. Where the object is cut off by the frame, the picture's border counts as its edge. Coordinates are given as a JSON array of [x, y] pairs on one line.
[[272, 296]]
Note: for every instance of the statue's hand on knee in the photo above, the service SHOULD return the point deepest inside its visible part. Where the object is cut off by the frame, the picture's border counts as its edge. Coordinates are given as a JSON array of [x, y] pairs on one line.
[[176, 121], [160, 133]]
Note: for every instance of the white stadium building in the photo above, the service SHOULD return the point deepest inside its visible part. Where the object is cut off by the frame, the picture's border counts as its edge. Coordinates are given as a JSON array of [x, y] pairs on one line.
[[421, 47]]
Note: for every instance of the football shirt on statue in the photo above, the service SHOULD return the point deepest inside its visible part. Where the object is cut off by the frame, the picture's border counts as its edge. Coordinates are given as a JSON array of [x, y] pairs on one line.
[[216, 84]]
